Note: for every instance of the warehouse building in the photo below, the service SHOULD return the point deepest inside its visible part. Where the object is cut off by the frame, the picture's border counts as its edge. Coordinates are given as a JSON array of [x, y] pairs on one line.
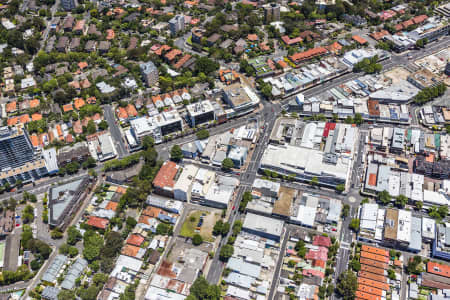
[[263, 226]]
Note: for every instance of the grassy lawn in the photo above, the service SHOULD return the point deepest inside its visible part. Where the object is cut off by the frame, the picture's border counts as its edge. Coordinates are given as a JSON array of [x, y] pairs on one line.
[[189, 40], [188, 228]]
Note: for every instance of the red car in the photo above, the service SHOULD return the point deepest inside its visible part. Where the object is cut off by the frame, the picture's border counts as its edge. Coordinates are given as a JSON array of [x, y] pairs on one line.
[[233, 207]]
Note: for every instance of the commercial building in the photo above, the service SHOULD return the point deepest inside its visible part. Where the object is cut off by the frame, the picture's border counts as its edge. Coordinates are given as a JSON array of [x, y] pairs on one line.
[[263, 226], [64, 200], [78, 152], [145, 126], [102, 147], [200, 112], [238, 154], [441, 245], [183, 187], [149, 73], [19, 160], [168, 122], [240, 98], [400, 92], [176, 24], [305, 164]]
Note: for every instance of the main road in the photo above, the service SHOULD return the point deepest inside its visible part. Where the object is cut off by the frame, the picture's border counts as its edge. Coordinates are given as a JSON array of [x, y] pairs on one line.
[[246, 180]]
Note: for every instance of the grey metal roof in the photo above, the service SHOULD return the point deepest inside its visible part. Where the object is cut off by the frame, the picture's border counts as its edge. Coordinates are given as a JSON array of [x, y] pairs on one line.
[[50, 293], [52, 272], [415, 242], [74, 272]]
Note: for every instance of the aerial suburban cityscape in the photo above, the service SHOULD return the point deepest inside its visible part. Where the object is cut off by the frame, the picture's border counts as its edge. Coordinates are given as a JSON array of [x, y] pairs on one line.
[[224, 149]]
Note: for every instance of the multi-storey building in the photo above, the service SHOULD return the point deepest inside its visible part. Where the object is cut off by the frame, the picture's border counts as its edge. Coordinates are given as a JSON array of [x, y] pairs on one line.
[[176, 24], [19, 160], [150, 73]]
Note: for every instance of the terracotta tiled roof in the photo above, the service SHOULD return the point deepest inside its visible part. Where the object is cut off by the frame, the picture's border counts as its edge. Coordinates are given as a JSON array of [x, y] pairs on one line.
[[323, 241], [135, 240], [11, 107], [121, 113], [36, 117], [151, 211], [130, 250], [131, 110], [182, 61], [34, 140], [12, 121], [359, 39], [172, 54], [288, 41], [379, 34], [69, 138], [77, 128], [82, 65], [166, 175], [419, 19], [252, 37], [97, 222], [68, 107], [438, 269], [34, 103], [79, 103], [111, 205], [24, 119], [110, 34], [297, 57]]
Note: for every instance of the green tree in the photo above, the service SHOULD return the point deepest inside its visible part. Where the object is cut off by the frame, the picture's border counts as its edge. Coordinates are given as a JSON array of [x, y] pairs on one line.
[[162, 229], [413, 265], [202, 290], [56, 233], [206, 65], [147, 142], [266, 90], [300, 247], [197, 239], [90, 162], [358, 119], [354, 225], [384, 197], [227, 164], [340, 188], [73, 235], [28, 214], [246, 198], [91, 128], [66, 295], [401, 201], [347, 285], [175, 153], [202, 134], [356, 265], [345, 211], [226, 252], [419, 205], [314, 181], [103, 125]]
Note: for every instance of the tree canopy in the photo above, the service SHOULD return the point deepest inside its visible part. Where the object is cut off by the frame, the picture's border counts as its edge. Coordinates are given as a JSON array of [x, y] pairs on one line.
[[347, 285]]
